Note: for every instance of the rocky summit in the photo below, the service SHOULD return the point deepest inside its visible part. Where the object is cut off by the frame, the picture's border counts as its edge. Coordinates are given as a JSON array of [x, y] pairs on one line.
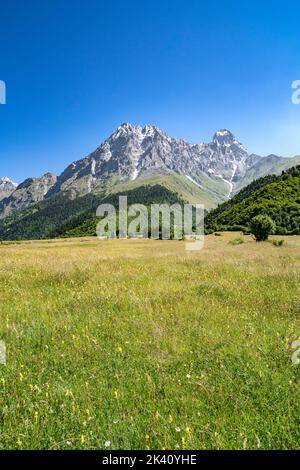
[[220, 168]]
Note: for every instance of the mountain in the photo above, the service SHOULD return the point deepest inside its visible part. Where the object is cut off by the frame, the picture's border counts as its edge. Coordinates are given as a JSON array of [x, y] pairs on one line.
[[221, 167], [31, 191], [136, 156], [135, 152], [276, 196], [6, 187]]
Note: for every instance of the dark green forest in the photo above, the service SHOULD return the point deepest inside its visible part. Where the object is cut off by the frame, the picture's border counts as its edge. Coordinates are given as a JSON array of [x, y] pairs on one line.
[[62, 216]]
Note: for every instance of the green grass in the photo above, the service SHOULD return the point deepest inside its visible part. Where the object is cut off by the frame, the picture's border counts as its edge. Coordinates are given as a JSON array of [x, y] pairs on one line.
[[237, 241], [147, 346], [210, 193]]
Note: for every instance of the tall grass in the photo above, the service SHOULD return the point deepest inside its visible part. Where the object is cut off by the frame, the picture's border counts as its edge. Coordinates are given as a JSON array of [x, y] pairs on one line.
[[138, 344]]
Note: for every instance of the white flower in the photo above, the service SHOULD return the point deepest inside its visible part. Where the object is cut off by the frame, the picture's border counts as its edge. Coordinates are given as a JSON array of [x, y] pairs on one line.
[[106, 443], [177, 429], [188, 376]]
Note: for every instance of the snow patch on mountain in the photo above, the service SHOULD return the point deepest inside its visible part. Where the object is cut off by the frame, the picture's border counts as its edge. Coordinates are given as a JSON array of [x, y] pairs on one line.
[[193, 181], [7, 187]]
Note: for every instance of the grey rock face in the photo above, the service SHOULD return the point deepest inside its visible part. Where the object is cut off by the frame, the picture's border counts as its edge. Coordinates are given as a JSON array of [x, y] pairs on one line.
[[221, 167], [6, 187], [29, 192], [134, 152]]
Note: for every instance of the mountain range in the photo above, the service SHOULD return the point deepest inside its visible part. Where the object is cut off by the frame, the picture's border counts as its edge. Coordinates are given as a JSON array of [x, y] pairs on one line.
[[135, 156]]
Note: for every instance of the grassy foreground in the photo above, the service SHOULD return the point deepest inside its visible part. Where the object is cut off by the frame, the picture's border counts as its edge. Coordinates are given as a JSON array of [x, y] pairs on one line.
[[139, 344]]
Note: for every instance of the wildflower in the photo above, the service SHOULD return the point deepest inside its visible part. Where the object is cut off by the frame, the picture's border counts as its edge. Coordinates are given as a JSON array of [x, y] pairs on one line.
[[106, 443], [188, 376], [177, 429]]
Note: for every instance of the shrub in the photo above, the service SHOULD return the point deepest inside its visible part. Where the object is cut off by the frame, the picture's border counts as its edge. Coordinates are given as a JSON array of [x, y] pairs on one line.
[[218, 234], [261, 227], [278, 242]]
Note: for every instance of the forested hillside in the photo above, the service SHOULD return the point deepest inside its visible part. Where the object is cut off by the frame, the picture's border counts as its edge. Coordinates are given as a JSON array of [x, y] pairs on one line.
[[61, 215], [275, 196]]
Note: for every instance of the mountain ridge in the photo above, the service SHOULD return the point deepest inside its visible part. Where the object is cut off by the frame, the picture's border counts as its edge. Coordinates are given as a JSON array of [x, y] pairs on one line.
[[7, 187], [134, 153]]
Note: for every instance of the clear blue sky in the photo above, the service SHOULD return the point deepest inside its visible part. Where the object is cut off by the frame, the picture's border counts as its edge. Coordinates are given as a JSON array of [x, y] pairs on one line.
[[77, 69]]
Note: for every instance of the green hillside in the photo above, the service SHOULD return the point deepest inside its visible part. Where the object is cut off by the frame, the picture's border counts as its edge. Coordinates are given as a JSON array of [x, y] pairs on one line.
[[61, 214], [208, 192], [271, 165], [276, 196]]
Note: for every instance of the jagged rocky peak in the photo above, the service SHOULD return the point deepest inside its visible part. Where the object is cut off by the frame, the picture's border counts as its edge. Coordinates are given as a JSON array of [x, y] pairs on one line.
[[29, 192], [131, 131], [224, 137], [7, 187], [134, 151], [46, 181], [4, 181]]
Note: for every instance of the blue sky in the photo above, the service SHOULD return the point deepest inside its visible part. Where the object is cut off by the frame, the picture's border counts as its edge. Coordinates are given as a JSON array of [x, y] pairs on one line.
[[77, 69]]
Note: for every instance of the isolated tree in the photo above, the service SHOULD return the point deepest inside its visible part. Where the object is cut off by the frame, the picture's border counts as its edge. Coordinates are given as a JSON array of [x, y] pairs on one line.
[[261, 227]]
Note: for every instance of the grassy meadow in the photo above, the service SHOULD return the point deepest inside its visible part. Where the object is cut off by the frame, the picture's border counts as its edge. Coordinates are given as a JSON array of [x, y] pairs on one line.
[[138, 344]]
